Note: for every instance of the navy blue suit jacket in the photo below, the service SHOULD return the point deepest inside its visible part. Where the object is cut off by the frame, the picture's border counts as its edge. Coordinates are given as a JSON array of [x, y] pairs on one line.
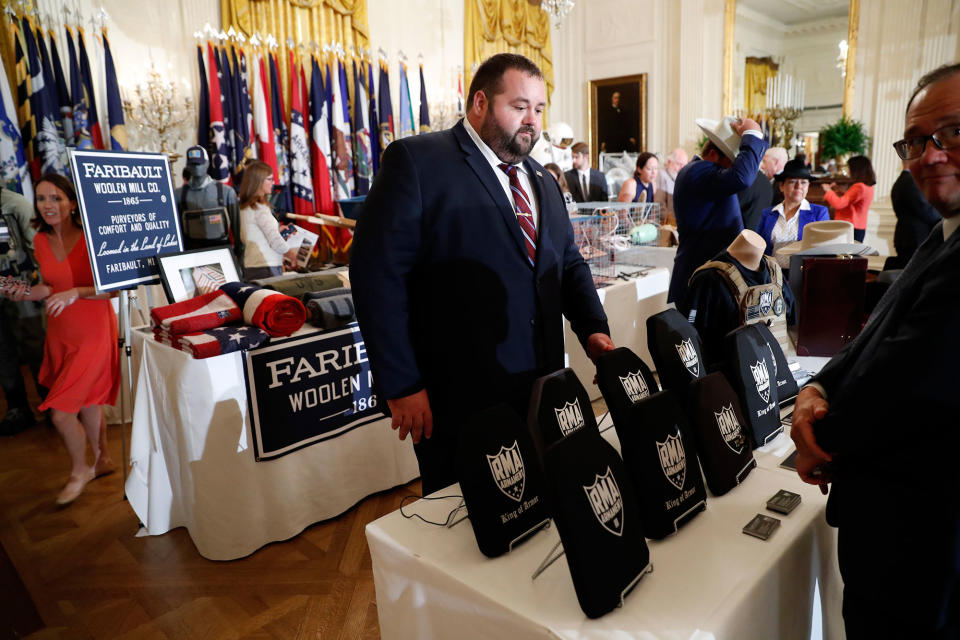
[[768, 219], [708, 212], [445, 296], [893, 427]]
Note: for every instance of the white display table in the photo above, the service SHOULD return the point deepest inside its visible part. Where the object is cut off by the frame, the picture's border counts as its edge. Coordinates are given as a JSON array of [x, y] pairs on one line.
[[709, 580], [628, 304], [192, 464]]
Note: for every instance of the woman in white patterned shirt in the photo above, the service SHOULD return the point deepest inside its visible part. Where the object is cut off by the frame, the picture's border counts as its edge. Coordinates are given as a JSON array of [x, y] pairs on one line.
[[264, 249]]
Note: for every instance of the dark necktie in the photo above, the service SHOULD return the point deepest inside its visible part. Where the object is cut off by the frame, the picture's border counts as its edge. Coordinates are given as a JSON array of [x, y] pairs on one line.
[[586, 191], [521, 206]]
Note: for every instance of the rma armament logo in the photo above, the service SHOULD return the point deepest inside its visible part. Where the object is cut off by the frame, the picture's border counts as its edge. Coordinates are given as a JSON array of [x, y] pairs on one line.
[[506, 468], [604, 496]]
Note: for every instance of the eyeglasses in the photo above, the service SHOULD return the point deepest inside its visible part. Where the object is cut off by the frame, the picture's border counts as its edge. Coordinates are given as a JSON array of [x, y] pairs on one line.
[[946, 137]]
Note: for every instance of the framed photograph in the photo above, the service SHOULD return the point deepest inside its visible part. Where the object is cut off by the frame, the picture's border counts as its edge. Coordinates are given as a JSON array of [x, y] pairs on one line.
[[618, 115], [192, 273]]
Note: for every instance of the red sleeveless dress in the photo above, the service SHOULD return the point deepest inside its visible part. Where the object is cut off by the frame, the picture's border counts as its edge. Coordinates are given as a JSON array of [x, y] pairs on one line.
[[81, 362]]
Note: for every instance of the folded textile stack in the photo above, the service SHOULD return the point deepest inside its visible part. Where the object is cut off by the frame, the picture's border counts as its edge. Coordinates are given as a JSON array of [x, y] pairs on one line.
[[304, 283], [272, 311], [214, 342], [206, 311], [330, 309]]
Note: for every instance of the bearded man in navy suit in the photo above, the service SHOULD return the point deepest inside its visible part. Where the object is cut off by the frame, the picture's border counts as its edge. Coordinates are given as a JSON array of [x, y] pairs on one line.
[[463, 262]]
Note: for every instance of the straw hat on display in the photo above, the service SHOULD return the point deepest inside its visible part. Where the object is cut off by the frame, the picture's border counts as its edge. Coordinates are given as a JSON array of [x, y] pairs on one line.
[[827, 237], [722, 134]]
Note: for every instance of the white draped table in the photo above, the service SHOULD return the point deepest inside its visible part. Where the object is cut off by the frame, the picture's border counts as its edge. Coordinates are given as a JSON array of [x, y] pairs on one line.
[[709, 580], [192, 463], [628, 303]]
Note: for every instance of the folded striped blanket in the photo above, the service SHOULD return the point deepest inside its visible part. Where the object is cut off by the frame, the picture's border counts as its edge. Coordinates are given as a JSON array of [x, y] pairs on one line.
[[206, 311], [274, 312], [214, 342], [302, 283]]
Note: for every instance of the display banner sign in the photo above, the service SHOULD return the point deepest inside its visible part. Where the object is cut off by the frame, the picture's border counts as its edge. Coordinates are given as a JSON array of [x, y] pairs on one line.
[[129, 215], [305, 390]]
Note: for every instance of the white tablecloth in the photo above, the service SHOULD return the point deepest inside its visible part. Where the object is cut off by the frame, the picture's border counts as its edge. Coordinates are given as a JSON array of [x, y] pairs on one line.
[[709, 581], [193, 466], [628, 305]]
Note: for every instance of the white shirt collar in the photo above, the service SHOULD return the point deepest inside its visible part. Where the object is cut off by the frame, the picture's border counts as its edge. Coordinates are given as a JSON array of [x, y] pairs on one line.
[[950, 225], [804, 206], [485, 149]]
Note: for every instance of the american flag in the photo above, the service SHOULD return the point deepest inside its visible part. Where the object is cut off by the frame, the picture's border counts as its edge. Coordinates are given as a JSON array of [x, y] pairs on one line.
[[206, 311], [215, 342], [301, 180], [272, 311], [219, 149]]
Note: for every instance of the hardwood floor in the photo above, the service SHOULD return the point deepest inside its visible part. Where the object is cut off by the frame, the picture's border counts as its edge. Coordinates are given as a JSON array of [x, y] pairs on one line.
[[88, 576], [79, 572]]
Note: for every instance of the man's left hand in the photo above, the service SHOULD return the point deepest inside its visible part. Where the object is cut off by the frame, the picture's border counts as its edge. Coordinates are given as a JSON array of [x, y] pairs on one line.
[[598, 344]]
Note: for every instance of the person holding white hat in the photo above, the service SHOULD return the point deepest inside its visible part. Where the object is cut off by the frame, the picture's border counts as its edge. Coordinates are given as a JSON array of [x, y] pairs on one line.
[[705, 195]]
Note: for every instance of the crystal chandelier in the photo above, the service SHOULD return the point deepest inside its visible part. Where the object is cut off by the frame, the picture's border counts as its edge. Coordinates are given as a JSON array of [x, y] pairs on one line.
[[558, 9]]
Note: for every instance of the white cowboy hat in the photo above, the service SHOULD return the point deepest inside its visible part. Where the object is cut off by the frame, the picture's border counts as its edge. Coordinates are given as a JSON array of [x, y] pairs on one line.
[[826, 237], [722, 134]]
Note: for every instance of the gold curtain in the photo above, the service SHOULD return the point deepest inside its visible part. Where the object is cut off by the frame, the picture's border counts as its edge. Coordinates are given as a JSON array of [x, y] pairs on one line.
[[498, 26], [755, 83], [305, 22], [7, 54]]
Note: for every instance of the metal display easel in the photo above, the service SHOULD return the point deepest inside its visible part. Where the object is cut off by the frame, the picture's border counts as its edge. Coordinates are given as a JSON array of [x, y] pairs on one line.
[[125, 346]]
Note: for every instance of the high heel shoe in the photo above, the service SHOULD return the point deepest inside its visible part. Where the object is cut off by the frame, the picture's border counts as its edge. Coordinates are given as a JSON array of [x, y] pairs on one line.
[[74, 487]]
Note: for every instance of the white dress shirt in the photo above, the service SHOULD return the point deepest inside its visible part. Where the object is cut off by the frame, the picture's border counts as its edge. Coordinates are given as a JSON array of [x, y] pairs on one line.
[[584, 176], [504, 179], [950, 226]]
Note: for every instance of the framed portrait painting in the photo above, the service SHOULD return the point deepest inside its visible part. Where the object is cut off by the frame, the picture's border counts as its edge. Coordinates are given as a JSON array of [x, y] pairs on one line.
[[618, 115]]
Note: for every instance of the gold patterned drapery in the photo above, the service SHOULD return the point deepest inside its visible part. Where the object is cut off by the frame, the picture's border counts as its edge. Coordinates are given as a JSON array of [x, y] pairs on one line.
[[514, 26], [305, 22], [757, 71]]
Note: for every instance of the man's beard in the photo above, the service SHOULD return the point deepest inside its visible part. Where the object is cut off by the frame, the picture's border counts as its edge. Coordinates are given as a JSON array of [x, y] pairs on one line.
[[508, 146]]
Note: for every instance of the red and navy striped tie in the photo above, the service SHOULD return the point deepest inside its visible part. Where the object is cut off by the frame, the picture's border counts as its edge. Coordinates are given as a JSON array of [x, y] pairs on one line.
[[521, 205]]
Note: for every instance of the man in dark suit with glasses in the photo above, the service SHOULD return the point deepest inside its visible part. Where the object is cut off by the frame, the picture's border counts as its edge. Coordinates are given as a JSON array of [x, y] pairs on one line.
[[881, 421]]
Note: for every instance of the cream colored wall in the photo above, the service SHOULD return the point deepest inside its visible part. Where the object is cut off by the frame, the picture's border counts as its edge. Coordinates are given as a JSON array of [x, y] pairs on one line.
[[678, 43], [433, 28], [899, 42], [807, 51]]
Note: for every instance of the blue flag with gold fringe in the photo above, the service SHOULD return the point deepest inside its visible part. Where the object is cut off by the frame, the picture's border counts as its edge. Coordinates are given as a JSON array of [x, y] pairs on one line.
[[424, 107], [82, 139], [118, 129]]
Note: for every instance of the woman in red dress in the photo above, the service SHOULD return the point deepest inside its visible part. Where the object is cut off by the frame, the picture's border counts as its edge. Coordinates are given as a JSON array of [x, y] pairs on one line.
[[81, 363]]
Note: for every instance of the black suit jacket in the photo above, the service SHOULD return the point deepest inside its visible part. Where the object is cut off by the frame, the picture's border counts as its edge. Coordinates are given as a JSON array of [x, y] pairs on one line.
[[597, 186], [753, 200], [915, 217], [445, 296], [894, 425]]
